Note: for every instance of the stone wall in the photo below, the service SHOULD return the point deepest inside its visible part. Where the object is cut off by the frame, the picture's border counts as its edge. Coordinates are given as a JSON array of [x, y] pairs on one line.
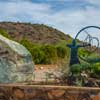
[[47, 92]]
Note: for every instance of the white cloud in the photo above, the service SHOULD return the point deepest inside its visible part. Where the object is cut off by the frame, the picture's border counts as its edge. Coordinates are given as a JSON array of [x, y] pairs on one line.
[[66, 20], [94, 2], [19, 10], [72, 21]]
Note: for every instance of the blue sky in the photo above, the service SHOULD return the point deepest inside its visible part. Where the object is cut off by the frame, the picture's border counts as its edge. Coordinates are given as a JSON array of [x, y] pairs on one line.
[[69, 16]]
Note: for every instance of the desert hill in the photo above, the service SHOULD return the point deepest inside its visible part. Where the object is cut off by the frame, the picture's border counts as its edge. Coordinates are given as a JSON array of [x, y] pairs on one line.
[[36, 33]]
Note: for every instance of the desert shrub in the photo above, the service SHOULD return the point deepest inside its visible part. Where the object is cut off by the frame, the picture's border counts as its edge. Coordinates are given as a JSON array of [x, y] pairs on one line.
[[50, 54], [38, 55], [4, 33], [95, 70], [61, 51], [76, 68], [46, 53]]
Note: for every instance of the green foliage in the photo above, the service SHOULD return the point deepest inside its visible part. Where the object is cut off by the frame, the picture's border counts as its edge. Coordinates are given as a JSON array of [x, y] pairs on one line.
[[92, 69], [41, 53], [44, 54], [38, 55], [35, 50], [93, 58], [4, 33], [84, 53], [62, 43], [61, 51], [75, 68], [95, 70], [27, 43], [88, 56], [91, 66], [50, 54], [78, 68]]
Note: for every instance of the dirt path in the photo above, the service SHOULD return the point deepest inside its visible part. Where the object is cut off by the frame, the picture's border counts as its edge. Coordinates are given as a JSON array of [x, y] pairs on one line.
[[41, 72]]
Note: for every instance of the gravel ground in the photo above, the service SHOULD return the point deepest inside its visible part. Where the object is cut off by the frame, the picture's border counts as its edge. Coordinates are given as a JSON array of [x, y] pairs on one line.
[[42, 71]]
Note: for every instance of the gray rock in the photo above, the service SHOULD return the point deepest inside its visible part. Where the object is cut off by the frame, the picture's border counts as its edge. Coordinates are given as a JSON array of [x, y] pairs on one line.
[[15, 62]]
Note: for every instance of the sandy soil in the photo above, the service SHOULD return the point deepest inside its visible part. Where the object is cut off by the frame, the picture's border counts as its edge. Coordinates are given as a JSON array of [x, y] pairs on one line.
[[41, 72]]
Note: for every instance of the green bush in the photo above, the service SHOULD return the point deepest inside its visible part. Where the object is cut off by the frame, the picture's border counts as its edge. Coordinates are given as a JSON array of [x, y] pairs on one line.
[[76, 68], [96, 70], [50, 54], [4, 33], [43, 53], [38, 55], [61, 51]]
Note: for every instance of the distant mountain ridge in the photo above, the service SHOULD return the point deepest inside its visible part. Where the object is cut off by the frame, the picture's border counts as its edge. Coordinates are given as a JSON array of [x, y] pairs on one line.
[[36, 33]]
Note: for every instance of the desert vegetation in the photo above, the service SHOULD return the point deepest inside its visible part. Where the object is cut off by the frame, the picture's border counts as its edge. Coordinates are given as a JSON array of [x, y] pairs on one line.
[[46, 44]]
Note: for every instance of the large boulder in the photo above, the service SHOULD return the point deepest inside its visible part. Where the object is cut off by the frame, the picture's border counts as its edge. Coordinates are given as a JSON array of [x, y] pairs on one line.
[[15, 62]]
